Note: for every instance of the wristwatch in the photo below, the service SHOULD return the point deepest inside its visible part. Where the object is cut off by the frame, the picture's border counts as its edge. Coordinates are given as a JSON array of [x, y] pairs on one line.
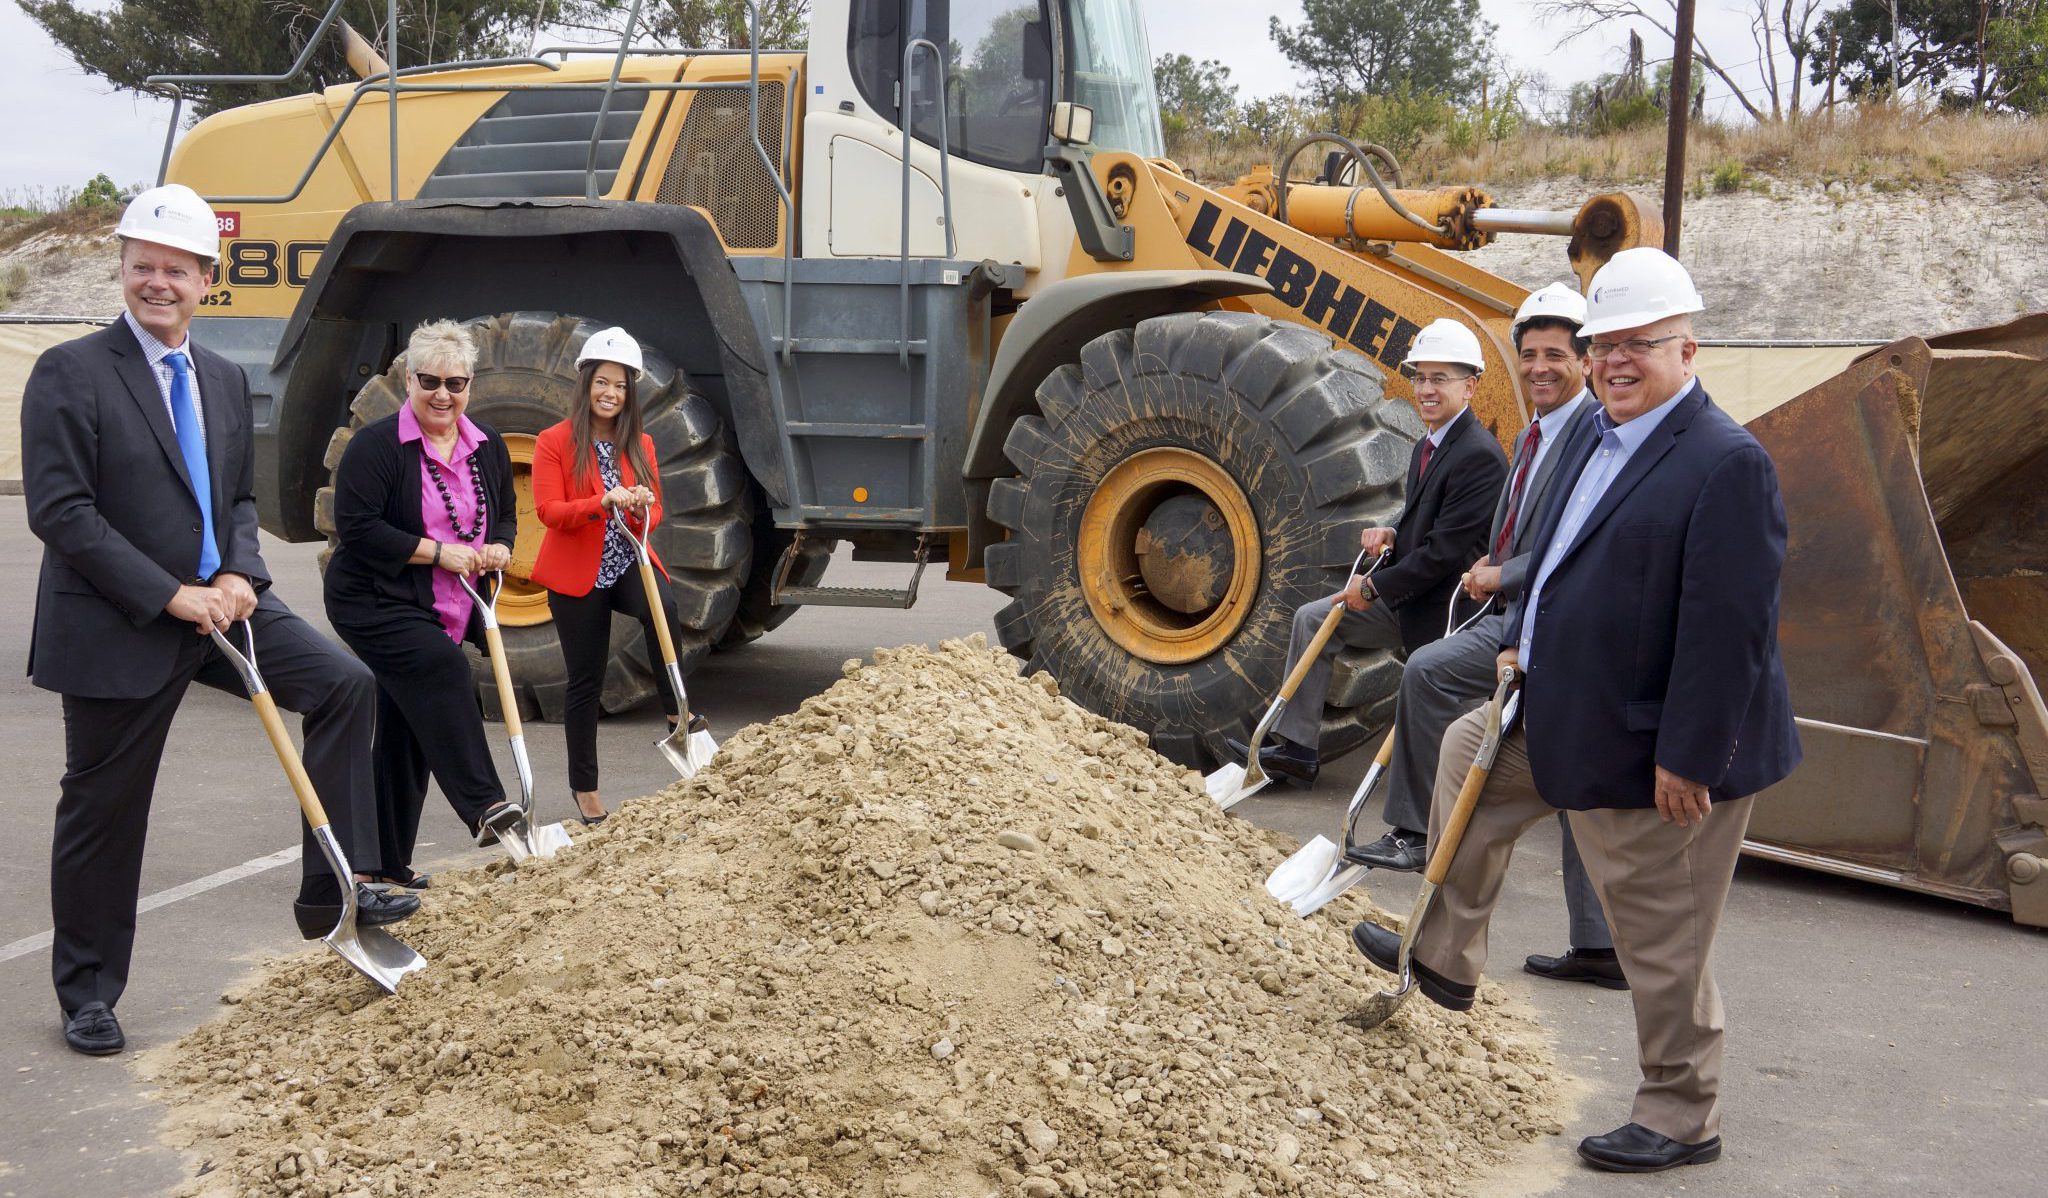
[[1367, 591]]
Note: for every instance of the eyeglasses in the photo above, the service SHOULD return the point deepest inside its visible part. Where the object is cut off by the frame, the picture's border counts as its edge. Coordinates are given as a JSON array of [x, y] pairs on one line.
[[1437, 380], [455, 383], [1636, 346]]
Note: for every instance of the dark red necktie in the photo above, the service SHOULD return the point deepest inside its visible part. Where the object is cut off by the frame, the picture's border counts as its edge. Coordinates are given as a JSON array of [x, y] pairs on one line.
[[1507, 526], [1428, 447]]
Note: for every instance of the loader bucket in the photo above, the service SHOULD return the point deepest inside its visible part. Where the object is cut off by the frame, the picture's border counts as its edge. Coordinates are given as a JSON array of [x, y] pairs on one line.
[[1914, 619]]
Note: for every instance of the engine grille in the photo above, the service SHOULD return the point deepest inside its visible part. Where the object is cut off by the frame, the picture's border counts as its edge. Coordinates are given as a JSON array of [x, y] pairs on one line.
[[715, 168]]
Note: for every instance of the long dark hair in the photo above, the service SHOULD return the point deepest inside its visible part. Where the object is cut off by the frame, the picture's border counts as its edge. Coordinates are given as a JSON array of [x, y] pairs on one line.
[[626, 430]]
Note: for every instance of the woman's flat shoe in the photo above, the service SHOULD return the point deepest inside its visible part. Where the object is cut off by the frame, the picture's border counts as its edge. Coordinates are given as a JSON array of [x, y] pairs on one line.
[[496, 818]]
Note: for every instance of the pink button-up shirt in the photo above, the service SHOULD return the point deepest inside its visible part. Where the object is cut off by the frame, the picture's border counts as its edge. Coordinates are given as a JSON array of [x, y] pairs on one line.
[[451, 602]]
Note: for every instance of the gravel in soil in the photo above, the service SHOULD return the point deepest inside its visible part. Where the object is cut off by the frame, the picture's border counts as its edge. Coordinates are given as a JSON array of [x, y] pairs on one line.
[[939, 933]]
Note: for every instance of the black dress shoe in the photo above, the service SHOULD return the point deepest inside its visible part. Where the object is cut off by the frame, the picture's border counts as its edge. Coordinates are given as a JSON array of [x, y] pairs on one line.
[[1633, 1148], [93, 1030], [1281, 759], [1383, 948], [1575, 966], [1404, 852], [373, 907]]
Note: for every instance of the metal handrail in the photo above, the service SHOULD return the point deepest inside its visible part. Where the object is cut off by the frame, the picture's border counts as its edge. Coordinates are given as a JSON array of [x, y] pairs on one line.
[[604, 106], [388, 82], [904, 118]]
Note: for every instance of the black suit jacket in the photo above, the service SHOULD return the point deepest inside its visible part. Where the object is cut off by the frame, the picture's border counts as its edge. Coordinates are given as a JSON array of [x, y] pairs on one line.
[[1443, 528], [377, 491], [1657, 636], [110, 498]]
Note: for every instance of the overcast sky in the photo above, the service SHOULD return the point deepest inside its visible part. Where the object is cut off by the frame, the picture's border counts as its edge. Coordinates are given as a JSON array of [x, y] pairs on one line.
[[64, 126]]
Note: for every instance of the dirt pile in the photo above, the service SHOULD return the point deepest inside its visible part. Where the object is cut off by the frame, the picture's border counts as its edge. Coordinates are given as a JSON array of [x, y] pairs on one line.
[[937, 934]]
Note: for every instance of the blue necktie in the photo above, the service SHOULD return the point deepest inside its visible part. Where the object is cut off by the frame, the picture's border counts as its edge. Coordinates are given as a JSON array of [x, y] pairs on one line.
[[193, 447]]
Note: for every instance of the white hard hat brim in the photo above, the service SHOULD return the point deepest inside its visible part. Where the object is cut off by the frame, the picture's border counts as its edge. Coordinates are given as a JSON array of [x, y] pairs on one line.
[[1636, 320], [639, 372], [205, 253]]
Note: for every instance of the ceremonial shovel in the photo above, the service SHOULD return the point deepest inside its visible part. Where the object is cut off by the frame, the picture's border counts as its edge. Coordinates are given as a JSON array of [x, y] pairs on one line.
[[1232, 783], [524, 840], [688, 746], [375, 953]]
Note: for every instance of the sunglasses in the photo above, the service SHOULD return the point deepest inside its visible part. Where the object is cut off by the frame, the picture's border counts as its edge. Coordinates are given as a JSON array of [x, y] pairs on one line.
[[455, 384]]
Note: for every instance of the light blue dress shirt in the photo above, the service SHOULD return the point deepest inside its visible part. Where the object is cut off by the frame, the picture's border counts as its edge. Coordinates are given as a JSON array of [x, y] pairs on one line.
[[1553, 426], [1618, 443]]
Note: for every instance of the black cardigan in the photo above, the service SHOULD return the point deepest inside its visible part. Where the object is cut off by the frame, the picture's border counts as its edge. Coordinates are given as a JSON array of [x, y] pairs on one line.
[[377, 491]]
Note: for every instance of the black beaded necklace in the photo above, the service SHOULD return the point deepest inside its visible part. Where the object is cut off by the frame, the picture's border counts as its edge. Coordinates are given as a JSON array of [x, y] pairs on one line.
[[476, 481]]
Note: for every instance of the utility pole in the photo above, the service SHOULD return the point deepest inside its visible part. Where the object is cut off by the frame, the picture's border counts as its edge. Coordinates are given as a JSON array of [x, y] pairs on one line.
[[1895, 53], [1678, 107]]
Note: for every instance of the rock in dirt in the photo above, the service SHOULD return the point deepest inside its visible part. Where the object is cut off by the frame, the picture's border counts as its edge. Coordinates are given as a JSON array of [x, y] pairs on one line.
[[815, 971]]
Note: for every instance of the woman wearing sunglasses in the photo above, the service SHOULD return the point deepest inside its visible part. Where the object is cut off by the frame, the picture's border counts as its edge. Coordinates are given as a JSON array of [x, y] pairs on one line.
[[422, 498], [597, 462]]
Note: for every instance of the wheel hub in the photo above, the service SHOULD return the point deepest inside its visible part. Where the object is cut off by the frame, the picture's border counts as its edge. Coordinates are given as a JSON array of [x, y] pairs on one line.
[[1169, 555], [524, 603]]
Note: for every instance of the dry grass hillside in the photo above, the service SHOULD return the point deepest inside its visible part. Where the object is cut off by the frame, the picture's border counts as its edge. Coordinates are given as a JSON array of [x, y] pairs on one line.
[[1872, 226]]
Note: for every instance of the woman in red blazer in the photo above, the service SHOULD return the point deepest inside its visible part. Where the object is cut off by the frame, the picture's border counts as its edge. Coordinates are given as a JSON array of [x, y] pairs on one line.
[[583, 468]]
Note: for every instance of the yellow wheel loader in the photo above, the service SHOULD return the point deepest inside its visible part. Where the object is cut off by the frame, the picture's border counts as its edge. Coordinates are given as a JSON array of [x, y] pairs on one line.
[[930, 288]]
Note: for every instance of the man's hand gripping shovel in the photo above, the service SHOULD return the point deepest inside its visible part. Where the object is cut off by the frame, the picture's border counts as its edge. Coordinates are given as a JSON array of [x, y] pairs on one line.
[[374, 952], [522, 840], [1232, 783]]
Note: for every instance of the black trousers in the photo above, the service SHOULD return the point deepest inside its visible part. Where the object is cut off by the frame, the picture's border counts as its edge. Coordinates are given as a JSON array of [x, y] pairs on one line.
[[584, 623], [113, 747], [428, 723]]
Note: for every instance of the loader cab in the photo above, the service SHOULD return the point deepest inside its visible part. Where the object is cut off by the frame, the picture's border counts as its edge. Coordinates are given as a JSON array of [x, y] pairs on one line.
[[1006, 63]]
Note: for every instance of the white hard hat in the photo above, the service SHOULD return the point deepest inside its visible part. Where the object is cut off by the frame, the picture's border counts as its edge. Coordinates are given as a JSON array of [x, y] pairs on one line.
[[1446, 340], [1638, 287], [612, 345], [175, 216], [1556, 300]]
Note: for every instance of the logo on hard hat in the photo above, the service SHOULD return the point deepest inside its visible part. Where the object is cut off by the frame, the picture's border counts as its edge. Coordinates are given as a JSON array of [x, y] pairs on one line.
[[1608, 292]]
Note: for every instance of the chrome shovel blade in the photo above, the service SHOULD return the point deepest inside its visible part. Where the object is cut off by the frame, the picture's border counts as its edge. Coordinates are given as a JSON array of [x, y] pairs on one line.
[[372, 952], [1303, 871], [689, 751], [549, 839], [1326, 893]]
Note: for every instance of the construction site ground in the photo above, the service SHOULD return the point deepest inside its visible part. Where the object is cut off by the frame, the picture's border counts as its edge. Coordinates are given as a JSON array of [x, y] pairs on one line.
[[1880, 1043]]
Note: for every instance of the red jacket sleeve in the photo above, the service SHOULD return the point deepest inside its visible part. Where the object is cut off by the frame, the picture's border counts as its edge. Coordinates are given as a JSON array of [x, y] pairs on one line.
[[554, 482]]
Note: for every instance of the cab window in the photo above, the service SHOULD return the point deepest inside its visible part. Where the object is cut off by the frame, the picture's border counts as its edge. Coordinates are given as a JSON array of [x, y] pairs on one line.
[[998, 73]]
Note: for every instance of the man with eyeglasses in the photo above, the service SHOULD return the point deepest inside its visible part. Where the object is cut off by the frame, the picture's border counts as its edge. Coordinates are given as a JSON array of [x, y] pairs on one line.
[[1654, 705], [1454, 476], [1451, 677], [139, 474]]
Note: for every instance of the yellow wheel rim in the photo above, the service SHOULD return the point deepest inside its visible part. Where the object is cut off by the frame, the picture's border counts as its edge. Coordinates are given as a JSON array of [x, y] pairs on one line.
[[1156, 602], [524, 603]]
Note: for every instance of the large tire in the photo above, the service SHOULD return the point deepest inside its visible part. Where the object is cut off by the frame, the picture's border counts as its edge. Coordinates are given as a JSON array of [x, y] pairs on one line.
[[1315, 451], [526, 381]]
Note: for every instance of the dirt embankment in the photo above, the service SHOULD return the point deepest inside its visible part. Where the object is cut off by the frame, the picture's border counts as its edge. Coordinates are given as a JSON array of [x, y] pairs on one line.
[[938, 934], [1774, 259]]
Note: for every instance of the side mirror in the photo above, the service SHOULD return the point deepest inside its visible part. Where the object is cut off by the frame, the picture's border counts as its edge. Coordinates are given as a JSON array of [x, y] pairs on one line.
[[1073, 124]]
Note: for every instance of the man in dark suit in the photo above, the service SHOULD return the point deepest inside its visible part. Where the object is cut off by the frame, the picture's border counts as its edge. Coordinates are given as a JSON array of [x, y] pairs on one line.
[[140, 480], [1654, 706], [1454, 477], [1451, 677]]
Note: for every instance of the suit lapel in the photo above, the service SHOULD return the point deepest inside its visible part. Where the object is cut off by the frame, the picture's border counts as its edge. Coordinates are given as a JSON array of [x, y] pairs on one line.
[[1646, 456], [1539, 482], [133, 367]]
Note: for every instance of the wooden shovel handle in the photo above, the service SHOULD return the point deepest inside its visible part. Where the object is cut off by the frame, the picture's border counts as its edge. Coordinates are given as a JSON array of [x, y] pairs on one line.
[[659, 614], [1385, 756], [507, 702], [288, 757], [1315, 650], [1446, 846]]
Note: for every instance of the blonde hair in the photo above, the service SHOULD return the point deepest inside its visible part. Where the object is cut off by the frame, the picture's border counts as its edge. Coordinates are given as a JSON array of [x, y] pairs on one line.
[[440, 343]]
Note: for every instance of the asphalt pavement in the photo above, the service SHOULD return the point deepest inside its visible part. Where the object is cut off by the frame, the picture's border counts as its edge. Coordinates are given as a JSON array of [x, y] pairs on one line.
[[1880, 1043]]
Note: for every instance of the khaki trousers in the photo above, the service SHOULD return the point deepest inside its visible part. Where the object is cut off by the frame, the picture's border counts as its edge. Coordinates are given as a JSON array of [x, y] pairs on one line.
[[1662, 886]]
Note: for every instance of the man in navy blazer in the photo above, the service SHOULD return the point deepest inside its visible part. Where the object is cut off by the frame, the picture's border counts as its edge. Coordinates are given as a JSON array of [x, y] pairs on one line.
[[1654, 704], [140, 479]]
